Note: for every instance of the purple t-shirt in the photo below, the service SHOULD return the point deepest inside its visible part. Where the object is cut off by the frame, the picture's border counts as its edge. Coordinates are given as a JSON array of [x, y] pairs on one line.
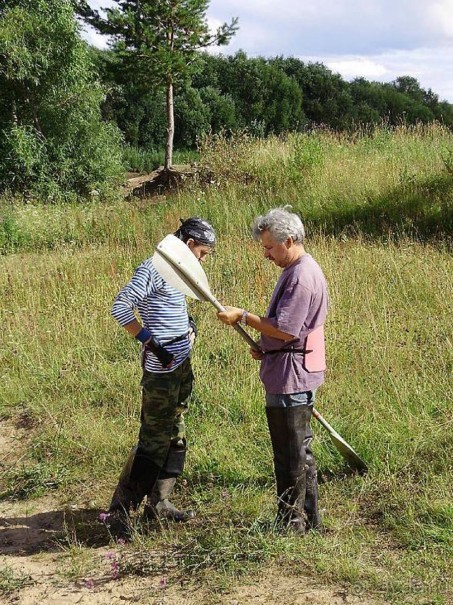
[[298, 305]]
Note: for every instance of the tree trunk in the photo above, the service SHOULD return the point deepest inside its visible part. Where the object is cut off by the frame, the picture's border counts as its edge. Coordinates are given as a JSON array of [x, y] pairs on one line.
[[170, 126]]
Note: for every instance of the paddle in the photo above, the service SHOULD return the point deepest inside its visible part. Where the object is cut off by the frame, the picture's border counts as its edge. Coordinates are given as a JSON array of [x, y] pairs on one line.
[[179, 267]]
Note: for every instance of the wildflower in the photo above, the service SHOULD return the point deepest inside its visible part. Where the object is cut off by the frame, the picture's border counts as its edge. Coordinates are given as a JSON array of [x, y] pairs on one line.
[[110, 556], [115, 570], [103, 517], [89, 584]]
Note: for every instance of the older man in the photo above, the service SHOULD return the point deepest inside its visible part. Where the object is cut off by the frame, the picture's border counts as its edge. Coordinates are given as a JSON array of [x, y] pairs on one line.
[[292, 362]]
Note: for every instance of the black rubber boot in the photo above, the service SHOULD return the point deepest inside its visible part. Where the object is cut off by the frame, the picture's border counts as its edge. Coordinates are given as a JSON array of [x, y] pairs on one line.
[[311, 494], [158, 505], [137, 478], [288, 429]]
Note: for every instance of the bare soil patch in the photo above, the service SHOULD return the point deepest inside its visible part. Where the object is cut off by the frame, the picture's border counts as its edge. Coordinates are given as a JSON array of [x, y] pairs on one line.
[[52, 555], [158, 182]]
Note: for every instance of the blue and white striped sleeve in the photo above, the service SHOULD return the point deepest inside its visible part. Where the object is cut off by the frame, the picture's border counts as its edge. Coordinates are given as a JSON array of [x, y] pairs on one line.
[[132, 294]]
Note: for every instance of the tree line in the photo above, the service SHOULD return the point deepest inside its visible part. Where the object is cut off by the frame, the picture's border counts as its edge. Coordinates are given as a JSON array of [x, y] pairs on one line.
[[67, 110], [264, 96]]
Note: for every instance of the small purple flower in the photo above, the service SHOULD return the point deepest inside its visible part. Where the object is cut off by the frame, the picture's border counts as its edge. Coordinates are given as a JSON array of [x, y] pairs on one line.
[[103, 517], [163, 583], [89, 584], [110, 556], [115, 570]]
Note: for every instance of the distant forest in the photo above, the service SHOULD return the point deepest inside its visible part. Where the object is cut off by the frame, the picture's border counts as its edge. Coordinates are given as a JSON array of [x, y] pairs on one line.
[[264, 96], [73, 117]]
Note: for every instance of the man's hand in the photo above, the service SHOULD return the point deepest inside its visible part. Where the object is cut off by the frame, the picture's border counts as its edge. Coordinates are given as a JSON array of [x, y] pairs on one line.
[[230, 316], [258, 355]]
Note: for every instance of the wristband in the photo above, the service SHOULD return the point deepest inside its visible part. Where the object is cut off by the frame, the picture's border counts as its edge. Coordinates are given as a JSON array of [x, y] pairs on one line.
[[143, 335], [243, 319]]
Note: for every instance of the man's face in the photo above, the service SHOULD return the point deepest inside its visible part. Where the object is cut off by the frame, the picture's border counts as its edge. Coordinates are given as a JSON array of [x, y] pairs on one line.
[[274, 251], [200, 251]]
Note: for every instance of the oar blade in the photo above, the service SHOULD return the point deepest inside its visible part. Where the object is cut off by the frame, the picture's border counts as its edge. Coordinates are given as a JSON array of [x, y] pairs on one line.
[[180, 268], [351, 457], [173, 277]]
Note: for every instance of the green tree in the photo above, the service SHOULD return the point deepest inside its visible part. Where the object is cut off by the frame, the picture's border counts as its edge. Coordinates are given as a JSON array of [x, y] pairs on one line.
[[326, 97], [221, 107], [411, 87], [159, 41], [136, 107], [192, 117], [52, 139], [266, 99]]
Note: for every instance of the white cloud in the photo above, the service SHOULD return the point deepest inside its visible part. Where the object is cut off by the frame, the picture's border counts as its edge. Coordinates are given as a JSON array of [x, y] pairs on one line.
[[376, 39], [442, 15], [433, 67], [354, 67], [93, 38]]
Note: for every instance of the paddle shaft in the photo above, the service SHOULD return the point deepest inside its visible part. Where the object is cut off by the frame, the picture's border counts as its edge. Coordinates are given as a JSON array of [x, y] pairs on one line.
[[206, 294], [212, 299]]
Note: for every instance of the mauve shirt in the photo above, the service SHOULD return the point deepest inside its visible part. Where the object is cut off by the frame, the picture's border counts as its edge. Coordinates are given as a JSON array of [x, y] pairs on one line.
[[298, 305]]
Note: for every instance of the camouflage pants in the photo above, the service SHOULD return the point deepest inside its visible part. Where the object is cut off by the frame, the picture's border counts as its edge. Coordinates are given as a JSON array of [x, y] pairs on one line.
[[161, 449], [164, 403]]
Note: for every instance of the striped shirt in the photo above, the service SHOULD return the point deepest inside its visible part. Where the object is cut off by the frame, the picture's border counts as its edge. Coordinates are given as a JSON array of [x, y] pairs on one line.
[[162, 311]]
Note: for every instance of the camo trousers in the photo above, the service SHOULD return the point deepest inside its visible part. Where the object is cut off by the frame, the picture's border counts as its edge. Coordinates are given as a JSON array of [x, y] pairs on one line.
[[164, 403]]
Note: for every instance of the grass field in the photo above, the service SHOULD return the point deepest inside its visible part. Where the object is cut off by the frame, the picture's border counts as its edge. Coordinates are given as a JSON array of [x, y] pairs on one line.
[[378, 210]]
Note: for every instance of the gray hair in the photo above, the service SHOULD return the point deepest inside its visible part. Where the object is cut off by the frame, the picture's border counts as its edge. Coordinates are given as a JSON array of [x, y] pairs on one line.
[[281, 224]]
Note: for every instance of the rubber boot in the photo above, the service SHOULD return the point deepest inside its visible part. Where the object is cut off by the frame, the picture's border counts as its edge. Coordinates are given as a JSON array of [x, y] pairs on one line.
[[137, 478], [158, 505], [288, 428], [311, 494]]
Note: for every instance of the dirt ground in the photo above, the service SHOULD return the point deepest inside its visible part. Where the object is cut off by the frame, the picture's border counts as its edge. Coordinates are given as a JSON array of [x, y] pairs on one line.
[[50, 571]]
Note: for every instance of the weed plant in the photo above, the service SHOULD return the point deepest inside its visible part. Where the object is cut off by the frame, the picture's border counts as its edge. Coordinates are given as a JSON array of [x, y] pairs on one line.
[[11, 581], [378, 211]]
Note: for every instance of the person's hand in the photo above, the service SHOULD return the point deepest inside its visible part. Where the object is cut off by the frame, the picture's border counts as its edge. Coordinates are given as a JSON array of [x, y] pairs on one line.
[[230, 316], [258, 355], [192, 331]]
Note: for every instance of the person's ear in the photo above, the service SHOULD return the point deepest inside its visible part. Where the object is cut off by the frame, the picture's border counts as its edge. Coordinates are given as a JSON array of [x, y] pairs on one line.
[[289, 242]]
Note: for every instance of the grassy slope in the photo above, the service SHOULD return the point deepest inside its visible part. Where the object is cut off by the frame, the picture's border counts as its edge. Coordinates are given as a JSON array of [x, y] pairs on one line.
[[378, 211]]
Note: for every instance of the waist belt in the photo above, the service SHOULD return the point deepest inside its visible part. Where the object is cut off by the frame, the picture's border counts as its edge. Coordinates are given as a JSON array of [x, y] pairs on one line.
[[314, 351], [286, 351], [176, 339], [155, 346]]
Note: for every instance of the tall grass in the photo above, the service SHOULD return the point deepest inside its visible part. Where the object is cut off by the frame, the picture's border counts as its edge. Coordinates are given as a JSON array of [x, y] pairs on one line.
[[378, 215], [136, 159]]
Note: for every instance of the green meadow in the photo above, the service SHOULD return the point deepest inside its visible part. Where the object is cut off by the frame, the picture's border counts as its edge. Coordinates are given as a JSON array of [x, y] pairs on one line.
[[378, 210]]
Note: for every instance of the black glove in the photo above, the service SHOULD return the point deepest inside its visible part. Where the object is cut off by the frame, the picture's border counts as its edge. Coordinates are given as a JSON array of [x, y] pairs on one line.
[[165, 357]]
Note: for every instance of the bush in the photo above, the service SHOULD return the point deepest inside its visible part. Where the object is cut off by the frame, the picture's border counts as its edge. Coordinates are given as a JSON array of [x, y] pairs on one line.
[[53, 143]]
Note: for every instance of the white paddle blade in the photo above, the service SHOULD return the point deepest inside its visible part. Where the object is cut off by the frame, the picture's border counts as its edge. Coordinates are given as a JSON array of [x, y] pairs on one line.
[[180, 268], [172, 277]]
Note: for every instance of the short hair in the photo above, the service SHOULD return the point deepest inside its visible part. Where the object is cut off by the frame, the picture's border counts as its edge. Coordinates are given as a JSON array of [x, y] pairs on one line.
[[281, 224]]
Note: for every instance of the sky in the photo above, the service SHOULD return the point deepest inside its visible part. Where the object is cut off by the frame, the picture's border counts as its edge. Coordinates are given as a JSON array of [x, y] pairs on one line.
[[375, 39]]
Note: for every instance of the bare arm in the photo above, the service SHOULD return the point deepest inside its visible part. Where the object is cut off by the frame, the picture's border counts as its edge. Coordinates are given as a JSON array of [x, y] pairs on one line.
[[262, 324], [133, 328]]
